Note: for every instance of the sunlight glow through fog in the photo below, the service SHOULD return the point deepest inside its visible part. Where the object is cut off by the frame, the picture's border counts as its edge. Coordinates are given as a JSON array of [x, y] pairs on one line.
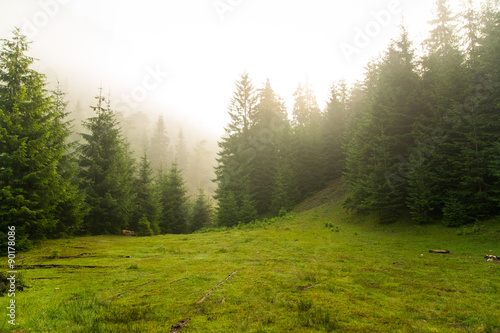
[[205, 45]]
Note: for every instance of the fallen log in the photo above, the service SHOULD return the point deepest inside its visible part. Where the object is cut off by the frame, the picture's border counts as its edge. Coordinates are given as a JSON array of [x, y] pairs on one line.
[[439, 251], [214, 288]]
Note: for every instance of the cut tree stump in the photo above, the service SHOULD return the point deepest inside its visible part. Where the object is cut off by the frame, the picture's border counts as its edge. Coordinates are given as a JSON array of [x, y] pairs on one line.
[[439, 251]]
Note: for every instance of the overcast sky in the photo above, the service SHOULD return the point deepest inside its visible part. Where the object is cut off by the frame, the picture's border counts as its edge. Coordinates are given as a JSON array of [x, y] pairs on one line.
[[183, 57]]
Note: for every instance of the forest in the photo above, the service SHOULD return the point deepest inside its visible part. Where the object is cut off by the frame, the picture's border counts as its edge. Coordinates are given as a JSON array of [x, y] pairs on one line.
[[419, 137]]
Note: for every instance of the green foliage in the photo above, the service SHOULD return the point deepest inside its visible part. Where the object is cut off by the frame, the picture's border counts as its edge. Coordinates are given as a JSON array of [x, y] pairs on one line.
[[5, 283], [159, 145], [201, 215], [146, 200], [379, 148], [181, 152], [106, 171], [282, 212], [37, 194], [334, 130], [247, 211], [236, 157], [471, 229], [144, 227], [455, 213], [227, 210], [55, 254], [427, 140], [173, 202], [268, 122]]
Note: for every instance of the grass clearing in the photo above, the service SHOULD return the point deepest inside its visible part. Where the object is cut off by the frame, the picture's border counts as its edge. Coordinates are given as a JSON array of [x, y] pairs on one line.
[[321, 270]]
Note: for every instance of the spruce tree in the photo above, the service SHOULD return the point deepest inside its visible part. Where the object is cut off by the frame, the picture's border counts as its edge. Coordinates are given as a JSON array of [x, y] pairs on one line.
[[308, 157], [267, 124], [284, 193], [377, 161], [181, 152], [200, 171], [237, 152], [107, 172], [173, 201], [34, 168], [201, 215], [159, 145], [334, 129], [146, 201], [455, 163], [227, 210], [247, 211]]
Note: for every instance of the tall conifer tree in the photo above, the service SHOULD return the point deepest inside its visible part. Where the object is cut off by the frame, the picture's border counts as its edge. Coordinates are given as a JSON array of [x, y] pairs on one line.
[[106, 171], [159, 145], [237, 151], [34, 167], [173, 202]]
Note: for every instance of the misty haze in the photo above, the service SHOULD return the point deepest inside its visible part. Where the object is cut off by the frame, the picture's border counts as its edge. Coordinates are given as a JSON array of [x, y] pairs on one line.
[[250, 166]]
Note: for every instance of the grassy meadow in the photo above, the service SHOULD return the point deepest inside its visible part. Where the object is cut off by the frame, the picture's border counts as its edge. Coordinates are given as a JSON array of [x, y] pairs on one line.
[[320, 269]]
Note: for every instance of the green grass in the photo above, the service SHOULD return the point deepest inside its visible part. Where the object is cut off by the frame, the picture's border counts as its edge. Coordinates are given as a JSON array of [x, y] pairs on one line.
[[320, 270]]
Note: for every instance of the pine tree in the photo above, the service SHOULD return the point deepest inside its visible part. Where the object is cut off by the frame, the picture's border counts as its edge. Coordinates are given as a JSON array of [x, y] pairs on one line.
[[377, 161], [227, 210], [159, 145], [173, 201], [200, 171], [285, 192], [202, 212], [106, 171], [494, 167], [454, 166], [236, 150], [443, 39], [334, 129], [146, 201], [267, 123], [308, 158], [471, 29], [247, 211], [305, 109], [71, 209], [34, 167], [181, 152]]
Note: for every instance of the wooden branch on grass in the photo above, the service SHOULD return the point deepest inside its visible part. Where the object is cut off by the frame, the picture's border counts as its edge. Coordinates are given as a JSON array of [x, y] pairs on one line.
[[439, 251], [178, 327], [214, 288], [130, 291]]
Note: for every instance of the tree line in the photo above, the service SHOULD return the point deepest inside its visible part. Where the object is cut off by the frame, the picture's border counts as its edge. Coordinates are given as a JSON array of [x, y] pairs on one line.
[[51, 186], [419, 135]]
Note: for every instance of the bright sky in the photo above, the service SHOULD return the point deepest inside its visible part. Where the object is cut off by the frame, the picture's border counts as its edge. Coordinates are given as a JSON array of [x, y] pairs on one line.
[[183, 57]]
